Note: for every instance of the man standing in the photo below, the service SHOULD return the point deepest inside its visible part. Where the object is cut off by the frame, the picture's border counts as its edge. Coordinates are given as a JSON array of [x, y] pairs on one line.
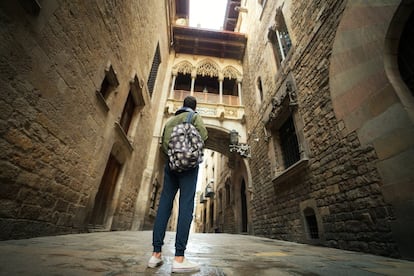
[[186, 182]]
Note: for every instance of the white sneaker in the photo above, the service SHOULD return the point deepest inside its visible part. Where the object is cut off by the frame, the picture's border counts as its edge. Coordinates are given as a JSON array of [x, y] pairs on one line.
[[154, 262], [185, 266]]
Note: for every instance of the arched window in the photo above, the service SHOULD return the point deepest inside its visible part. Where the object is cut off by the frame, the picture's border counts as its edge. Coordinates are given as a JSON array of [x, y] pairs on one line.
[[311, 223]]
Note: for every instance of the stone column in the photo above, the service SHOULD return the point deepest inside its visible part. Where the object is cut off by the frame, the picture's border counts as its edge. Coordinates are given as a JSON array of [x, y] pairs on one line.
[[193, 78], [174, 77], [221, 78], [239, 91]]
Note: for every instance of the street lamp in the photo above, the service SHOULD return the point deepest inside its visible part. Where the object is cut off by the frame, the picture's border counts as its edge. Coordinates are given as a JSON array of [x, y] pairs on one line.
[[202, 199], [209, 189], [235, 146]]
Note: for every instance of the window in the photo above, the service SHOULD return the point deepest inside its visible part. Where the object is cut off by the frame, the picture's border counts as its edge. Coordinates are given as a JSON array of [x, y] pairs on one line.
[[285, 143], [108, 85], [154, 70], [183, 82], [31, 6], [279, 36], [105, 88], [287, 150], [311, 223], [289, 143], [134, 104], [127, 113]]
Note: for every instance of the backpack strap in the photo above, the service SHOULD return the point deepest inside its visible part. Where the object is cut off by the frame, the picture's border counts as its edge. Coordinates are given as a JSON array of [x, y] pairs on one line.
[[190, 117]]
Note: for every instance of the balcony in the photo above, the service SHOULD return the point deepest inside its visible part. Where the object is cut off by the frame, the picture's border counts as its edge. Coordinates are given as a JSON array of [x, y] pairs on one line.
[[209, 105], [207, 98]]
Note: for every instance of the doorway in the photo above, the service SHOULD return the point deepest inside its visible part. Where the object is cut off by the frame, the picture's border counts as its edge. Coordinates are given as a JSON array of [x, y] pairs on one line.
[[106, 191]]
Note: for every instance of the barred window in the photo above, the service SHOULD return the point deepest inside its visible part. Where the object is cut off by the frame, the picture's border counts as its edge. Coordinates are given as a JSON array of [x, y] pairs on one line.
[[289, 143], [154, 70]]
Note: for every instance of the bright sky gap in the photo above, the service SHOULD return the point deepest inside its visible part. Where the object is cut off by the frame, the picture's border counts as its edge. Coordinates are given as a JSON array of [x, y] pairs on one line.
[[207, 14]]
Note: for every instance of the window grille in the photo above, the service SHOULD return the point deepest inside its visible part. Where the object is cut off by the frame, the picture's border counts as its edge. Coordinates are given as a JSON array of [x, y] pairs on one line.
[[289, 143], [154, 70]]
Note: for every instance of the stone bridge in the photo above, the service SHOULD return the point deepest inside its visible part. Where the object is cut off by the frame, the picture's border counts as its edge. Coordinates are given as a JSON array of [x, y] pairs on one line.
[[219, 119]]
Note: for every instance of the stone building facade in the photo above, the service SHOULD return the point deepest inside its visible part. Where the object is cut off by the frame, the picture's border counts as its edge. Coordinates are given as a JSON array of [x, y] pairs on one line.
[[321, 93], [330, 123], [80, 92]]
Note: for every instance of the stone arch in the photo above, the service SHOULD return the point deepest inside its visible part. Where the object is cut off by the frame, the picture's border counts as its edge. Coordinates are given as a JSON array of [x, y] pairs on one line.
[[366, 101], [208, 67], [312, 222], [184, 67], [217, 139], [231, 73], [392, 43]]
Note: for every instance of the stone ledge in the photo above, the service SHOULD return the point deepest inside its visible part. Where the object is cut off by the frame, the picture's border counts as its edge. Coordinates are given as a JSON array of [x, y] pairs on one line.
[[292, 171], [124, 137]]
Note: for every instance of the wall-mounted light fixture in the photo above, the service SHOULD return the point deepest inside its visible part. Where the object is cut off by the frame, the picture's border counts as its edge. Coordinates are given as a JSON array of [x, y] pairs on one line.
[[202, 199], [235, 146], [210, 189]]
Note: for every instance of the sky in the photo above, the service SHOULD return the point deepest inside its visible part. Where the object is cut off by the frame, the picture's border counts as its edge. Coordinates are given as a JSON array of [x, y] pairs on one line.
[[209, 14]]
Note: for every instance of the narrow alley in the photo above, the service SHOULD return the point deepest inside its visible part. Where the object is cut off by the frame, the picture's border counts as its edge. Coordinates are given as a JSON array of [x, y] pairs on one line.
[[308, 165]]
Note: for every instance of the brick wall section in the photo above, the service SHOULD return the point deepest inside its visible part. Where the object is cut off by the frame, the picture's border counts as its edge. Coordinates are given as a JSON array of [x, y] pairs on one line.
[[55, 137], [341, 176]]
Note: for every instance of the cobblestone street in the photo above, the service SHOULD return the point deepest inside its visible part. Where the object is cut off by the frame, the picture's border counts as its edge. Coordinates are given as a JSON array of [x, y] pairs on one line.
[[127, 253]]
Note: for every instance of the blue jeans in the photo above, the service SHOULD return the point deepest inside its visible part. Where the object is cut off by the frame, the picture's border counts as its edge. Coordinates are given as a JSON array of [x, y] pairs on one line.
[[186, 182]]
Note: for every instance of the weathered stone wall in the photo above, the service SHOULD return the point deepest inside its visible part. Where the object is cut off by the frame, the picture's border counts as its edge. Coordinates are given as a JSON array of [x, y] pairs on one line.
[[55, 136], [341, 176]]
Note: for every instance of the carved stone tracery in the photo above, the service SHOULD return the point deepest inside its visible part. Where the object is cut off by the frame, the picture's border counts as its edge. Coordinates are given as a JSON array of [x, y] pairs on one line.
[[208, 69], [230, 72], [184, 67], [285, 98]]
